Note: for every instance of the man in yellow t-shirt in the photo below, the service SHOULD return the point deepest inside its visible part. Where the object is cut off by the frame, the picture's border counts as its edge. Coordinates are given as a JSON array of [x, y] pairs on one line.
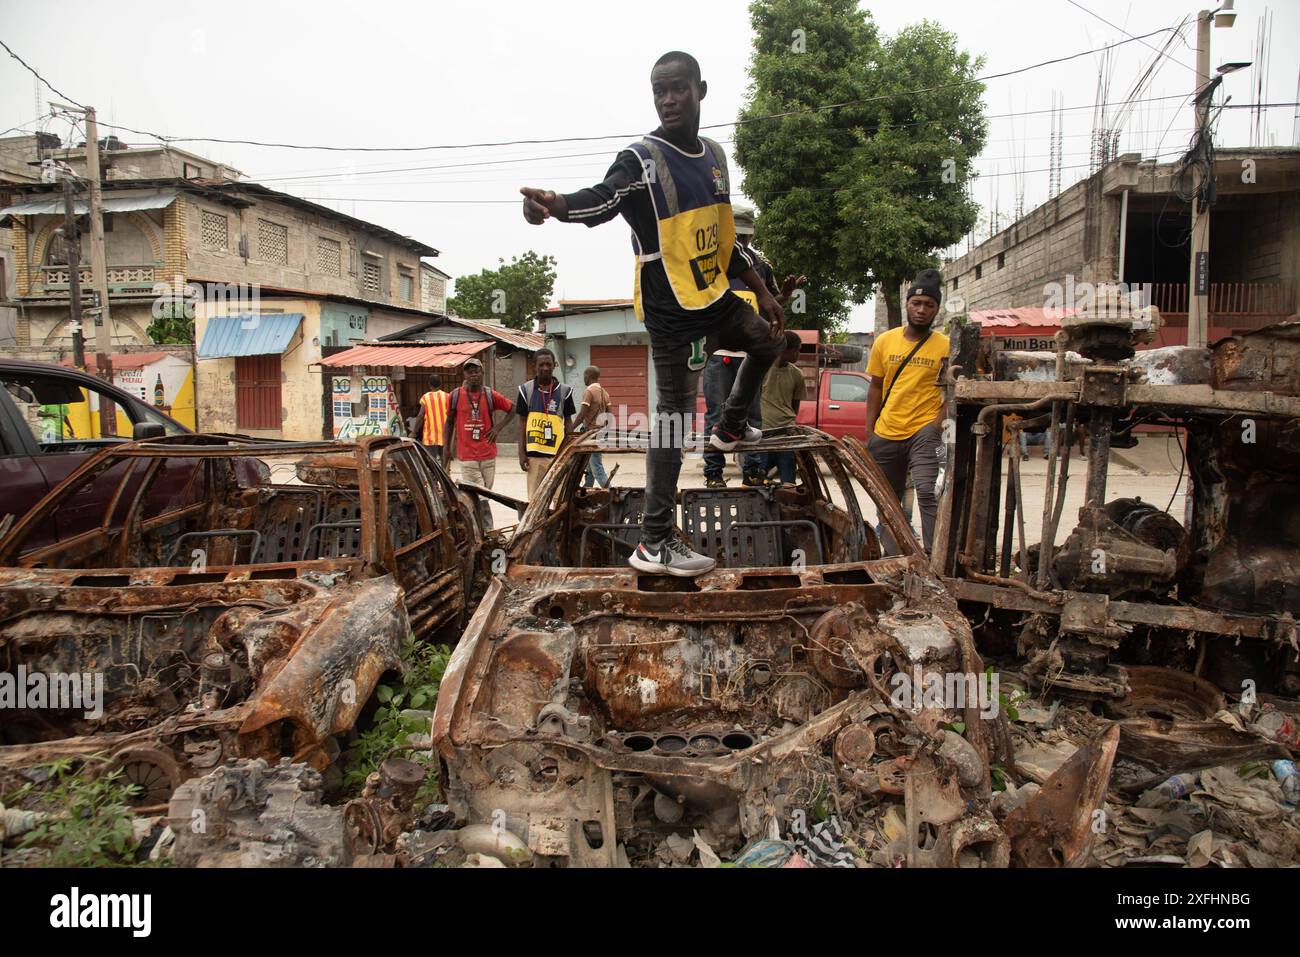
[[905, 408]]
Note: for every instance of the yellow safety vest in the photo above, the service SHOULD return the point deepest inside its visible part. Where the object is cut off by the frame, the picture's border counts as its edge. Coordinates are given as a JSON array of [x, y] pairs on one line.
[[692, 200], [544, 429]]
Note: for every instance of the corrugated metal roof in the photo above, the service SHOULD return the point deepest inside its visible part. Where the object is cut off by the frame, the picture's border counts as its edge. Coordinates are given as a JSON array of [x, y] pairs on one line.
[[1021, 316], [532, 341], [259, 334], [114, 202], [411, 356]]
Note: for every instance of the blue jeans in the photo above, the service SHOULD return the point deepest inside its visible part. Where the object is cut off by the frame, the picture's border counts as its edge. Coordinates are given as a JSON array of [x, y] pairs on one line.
[[595, 472], [1045, 437], [784, 462], [719, 377]]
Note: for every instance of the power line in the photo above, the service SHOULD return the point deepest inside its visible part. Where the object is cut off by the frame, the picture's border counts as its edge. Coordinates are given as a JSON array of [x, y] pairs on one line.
[[588, 139], [349, 173], [1127, 34], [33, 72], [810, 189]]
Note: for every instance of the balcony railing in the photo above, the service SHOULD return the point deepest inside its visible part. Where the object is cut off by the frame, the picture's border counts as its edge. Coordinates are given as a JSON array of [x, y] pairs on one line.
[[120, 278], [1228, 299]]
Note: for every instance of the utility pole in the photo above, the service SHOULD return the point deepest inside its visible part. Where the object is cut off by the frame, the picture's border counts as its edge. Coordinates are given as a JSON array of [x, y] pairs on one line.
[[1198, 280], [72, 243], [98, 261], [1198, 274]]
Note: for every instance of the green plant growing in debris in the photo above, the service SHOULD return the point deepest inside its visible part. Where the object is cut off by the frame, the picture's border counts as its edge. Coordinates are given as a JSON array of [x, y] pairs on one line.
[[415, 690], [1006, 702], [998, 777], [91, 818]]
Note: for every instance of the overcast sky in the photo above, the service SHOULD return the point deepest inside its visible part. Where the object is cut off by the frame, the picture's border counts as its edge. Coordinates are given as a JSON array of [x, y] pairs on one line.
[[380, 73]]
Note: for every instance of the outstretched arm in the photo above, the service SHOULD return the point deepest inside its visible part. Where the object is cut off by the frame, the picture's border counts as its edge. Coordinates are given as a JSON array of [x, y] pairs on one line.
[[593, 206]]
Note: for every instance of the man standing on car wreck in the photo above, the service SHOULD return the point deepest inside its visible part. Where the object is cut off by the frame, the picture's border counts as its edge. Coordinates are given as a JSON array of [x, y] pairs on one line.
[[673, 189]]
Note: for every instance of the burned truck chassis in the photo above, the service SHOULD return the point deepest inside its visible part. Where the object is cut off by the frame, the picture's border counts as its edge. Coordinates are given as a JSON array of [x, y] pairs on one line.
[[1232, 575]]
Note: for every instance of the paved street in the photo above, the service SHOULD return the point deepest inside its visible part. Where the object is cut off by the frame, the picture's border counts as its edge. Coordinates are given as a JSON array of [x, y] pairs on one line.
[[1149, 470]]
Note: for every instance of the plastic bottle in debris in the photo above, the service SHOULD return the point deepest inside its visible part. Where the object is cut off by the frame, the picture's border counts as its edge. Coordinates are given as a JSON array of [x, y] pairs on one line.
[[1178, 786], [1289, 777]]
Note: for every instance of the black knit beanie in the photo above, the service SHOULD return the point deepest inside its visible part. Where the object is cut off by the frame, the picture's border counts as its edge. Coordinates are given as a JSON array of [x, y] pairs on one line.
[[928, 282]]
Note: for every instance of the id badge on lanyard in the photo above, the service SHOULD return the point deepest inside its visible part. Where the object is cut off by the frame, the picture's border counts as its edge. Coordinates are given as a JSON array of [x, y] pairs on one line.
[[475, 428]]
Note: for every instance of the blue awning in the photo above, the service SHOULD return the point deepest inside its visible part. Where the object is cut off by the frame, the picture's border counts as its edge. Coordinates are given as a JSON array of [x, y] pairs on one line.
[[252, 334]]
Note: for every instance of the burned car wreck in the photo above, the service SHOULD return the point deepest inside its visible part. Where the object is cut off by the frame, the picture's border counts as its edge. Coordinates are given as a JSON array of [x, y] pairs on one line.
[[240, 598], [590, 711], [1215, 591]]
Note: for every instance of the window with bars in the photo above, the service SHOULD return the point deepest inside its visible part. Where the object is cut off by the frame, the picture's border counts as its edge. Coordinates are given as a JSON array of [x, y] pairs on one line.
[[370, 276], [272, 242], [216, 230], [329, 256]]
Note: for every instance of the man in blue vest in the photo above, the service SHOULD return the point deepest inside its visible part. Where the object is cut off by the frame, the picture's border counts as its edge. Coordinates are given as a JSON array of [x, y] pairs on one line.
[[674, 190]]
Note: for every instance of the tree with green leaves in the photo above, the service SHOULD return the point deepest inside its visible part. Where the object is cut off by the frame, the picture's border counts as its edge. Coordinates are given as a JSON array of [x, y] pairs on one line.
[[510, 294], [173, 323], [861, 171]]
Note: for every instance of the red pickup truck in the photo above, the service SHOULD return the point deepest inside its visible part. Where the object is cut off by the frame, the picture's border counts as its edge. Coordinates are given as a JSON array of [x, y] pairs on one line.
[[840, 406], [835, 398]]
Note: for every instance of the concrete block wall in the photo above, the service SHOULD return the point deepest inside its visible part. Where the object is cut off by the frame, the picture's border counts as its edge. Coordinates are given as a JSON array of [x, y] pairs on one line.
[[301, 273]]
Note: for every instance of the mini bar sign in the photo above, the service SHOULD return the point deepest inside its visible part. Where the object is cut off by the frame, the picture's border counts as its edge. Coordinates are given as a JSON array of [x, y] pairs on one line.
[[1027, 343], [1202, 274]]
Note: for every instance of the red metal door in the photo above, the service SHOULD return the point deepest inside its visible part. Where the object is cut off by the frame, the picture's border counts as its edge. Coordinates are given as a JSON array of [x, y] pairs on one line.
[[257, 392], [624, 372]]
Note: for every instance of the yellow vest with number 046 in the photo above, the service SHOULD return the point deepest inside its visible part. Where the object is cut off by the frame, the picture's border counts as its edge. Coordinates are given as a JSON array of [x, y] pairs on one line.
[[691, 193], [544, 430]]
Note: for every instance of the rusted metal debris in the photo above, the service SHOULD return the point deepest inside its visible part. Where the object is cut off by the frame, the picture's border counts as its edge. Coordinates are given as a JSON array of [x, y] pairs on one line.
[[1233, 572], [591, 716], [241, 599], [1057, 826], [590, 712]]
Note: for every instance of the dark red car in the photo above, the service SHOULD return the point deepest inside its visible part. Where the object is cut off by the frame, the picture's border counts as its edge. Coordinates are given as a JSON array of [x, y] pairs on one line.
[[42, 410]]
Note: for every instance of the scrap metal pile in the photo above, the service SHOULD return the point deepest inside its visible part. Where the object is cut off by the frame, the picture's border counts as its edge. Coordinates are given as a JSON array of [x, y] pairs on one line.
[[811, 702]]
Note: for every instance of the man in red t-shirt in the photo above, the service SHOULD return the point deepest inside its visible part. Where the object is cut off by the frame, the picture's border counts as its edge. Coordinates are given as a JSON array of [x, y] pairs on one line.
[[472, 428]]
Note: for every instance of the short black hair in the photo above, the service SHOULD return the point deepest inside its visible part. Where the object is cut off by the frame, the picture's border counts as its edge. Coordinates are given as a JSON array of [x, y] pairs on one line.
[[677, 56], [792, 340], [543, 352]]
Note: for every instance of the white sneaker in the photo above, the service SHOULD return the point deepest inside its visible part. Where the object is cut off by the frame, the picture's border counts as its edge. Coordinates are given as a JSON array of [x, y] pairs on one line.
[[670, 557], [725, 441]]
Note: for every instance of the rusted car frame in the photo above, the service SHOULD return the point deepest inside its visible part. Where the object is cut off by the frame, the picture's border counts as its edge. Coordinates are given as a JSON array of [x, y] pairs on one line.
[[267, 640], [1227, 570], [588, 708]]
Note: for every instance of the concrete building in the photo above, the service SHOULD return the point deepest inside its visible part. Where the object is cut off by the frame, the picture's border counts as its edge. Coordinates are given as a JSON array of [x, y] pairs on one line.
[[433, 288], [604, 333], [16, 153], [1130, 222], [184, 238]]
